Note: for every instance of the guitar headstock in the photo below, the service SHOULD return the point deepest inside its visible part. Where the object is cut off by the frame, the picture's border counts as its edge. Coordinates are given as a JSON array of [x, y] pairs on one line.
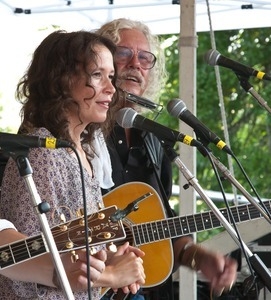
[[71, 235]]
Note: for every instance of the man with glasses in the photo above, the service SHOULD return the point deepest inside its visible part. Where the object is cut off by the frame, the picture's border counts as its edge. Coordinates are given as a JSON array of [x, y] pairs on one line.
[[138, 156], [124, 54]]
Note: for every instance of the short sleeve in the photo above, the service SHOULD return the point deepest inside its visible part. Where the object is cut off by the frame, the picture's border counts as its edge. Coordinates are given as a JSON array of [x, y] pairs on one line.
[[5, 224]]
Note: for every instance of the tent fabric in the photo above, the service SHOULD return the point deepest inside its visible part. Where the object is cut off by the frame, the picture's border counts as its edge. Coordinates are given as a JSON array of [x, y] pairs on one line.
[[162, 16]]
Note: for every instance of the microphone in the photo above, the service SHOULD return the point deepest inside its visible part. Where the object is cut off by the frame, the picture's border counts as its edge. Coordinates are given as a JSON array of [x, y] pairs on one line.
[[140, 101], [213, 57], [128, 118], [177, 108], [20, 141]]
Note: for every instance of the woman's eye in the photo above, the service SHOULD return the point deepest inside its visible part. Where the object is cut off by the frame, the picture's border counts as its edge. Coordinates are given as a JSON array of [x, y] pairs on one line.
[[96, 75]]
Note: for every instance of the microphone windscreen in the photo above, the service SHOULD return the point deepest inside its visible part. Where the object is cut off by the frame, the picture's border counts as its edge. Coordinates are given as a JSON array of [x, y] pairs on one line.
[[211, 57], [175, 107], [125, 117]]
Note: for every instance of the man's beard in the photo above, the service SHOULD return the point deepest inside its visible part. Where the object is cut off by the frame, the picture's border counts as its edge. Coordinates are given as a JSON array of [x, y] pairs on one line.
[[133, 76]]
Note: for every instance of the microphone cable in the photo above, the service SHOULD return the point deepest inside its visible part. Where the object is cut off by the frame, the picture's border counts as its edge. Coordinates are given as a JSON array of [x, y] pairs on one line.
[[85, 220], [231, 217], [252, 186]]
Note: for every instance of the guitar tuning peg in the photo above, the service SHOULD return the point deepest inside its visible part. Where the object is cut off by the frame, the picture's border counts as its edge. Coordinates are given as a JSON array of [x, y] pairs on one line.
[[101, 216], [63, 227], [92, 250], [74, 257], [69, 245], [80, 212], [62, 218], [107, 235], [82, 222], [112, 247]]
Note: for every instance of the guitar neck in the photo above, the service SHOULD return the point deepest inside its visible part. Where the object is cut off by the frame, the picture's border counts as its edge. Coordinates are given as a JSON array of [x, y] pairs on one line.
[[145, 233], [68, 236], [21, 251]]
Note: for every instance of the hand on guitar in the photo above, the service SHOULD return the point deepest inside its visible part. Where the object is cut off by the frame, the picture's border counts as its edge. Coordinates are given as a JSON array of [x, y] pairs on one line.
[[219, 270], [77, 270], [124, 269]]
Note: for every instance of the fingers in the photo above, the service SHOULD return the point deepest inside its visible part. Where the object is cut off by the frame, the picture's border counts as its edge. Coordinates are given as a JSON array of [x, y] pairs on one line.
[[224, 281], [102, 255], [128, 272], [132, 288], [137, 251], [121, 250], [219, 292], [77, 270], [126, 248]]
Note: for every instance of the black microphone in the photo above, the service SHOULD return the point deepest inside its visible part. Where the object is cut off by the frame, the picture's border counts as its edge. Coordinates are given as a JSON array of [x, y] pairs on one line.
[[128, 118], [213, 57], [177, 108], [19, 141], [140, 101]]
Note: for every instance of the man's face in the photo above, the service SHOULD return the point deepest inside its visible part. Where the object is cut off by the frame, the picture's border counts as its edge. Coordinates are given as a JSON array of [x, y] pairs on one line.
[[132, 73]]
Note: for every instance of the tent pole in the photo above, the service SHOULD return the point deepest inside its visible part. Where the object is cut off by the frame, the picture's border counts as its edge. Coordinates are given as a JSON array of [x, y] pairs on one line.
[[187, 91]]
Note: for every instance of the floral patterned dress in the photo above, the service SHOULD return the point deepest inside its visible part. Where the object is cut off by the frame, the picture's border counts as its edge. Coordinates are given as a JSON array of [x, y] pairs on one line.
[[57, 177]]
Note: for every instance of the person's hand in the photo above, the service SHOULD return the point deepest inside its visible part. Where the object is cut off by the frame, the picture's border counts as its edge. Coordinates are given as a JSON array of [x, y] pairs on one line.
[[219, 270], [76, 268], [124, 269]]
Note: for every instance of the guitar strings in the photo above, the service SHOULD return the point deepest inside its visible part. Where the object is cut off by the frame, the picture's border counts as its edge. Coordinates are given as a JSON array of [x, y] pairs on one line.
[[17, 251]]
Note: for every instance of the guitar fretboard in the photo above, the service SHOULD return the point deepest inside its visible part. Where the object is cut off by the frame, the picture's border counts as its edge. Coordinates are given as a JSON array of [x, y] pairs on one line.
[[178, 226], [22, 250]]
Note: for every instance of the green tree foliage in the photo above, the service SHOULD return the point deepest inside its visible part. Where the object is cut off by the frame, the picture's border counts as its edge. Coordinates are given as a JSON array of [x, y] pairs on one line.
[[248, 122]]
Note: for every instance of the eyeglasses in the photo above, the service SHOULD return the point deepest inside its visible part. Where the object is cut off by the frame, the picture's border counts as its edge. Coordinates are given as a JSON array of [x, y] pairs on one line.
[[123, 55]]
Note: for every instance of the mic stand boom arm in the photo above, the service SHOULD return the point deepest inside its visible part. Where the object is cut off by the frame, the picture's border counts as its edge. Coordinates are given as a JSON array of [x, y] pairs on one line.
[[25, 171], [261, 270], [249, 89]]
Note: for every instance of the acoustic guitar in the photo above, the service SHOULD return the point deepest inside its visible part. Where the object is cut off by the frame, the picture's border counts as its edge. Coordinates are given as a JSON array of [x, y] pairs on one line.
[[150, 230]]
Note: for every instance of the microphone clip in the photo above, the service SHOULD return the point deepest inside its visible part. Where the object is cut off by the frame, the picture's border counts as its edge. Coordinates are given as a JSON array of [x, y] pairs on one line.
[[120, 214]]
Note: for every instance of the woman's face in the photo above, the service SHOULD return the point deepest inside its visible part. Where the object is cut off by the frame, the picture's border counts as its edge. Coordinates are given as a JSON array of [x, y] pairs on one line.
[[93, 109]]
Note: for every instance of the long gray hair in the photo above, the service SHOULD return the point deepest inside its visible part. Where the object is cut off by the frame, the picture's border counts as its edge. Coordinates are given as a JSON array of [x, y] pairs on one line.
[[158, 74]]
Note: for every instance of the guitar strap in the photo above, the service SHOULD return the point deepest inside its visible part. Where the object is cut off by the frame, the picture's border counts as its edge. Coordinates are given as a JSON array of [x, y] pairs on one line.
[[155, 153]]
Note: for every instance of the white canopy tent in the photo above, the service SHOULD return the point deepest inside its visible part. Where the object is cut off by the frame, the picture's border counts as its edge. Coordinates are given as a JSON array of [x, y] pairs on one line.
[[19, 37], [162, 16]]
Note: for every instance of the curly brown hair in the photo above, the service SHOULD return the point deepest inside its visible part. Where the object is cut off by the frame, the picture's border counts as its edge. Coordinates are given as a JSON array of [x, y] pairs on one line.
[[45, 88]]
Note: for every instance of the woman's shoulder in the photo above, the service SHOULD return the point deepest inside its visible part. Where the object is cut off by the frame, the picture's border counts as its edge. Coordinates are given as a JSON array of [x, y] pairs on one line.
[[41, 132]]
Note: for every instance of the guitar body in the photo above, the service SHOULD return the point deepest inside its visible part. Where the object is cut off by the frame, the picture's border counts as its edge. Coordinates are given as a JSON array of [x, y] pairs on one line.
[[158, 259]]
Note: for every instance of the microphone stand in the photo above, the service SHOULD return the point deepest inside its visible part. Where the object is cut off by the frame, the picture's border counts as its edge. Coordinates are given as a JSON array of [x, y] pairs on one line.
[[249, 89], [41, 208], [227, 174], [260, 268]]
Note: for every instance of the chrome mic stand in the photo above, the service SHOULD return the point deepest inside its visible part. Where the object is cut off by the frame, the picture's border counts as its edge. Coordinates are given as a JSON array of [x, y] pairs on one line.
[[41, 208], [249, 89], [229, 176], [261, 270]]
